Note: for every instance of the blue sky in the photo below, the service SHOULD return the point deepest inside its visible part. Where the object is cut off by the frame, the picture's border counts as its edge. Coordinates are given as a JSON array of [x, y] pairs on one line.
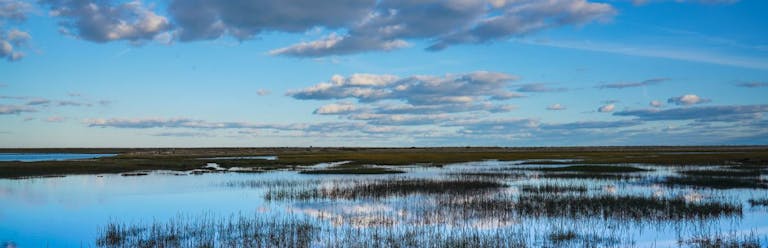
[[88, 73]]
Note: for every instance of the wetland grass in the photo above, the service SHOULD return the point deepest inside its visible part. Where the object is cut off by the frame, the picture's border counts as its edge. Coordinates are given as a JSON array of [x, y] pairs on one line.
[[296, 231], [636, 208], [178, 159], [724, 241], [360, 189], [206, 231], [553, 188], [589, 176]]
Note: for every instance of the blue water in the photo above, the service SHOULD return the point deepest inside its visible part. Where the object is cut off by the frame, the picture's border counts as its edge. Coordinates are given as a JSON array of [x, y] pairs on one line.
[[34, 157]]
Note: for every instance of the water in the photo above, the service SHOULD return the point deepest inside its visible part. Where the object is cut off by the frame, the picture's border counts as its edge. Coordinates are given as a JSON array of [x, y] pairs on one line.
[[34, 157], [69, 211]]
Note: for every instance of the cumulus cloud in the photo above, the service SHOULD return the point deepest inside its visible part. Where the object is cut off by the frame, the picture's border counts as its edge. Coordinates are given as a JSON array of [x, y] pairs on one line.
[[15, 109], [415, 100], [622, 85], [556, 106], [687, 99], [606, 108], [414, 90], [11, 40], [704, 113], [656, 104], [244, 19], [107, 20], [13, 10], [390, 23], [336, 109]]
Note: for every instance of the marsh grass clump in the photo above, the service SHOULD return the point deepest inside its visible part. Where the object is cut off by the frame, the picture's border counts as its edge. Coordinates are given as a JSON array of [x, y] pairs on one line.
[[758, 202], [637, 208], [724, 241], [594, 169], [493, 175], [298, 232], [553, 188], [558, 236], [385, 188], [716, 182], [208, 232], [589, 176]]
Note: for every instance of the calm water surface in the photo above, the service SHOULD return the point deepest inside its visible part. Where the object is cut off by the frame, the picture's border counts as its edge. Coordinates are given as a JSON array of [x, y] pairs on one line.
[[33, 157]]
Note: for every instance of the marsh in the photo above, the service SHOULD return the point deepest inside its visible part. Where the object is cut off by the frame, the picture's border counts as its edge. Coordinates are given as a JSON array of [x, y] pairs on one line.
[[488, 203]]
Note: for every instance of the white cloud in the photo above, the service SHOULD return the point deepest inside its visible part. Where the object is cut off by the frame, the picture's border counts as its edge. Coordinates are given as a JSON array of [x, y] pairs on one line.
[[104, 21], [449, 22], [656, 104], [15, 109], [263, 92], [606, 108], [688, 99], [336, 109], [556, 106]]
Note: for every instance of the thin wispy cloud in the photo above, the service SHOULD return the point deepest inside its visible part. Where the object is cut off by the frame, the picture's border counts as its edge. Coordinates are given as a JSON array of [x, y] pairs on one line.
[[556, 106], [622, 85], [752, 84], [539, 88]]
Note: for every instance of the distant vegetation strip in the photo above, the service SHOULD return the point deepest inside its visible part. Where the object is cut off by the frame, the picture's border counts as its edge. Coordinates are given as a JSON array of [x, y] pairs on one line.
[[130, 160]]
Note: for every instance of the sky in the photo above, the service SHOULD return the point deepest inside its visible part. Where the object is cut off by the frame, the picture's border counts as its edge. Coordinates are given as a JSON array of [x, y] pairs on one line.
[[223, 73]]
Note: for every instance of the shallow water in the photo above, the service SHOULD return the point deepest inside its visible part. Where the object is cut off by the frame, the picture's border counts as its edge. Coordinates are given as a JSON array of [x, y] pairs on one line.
[[34, 157], [69, 211]]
